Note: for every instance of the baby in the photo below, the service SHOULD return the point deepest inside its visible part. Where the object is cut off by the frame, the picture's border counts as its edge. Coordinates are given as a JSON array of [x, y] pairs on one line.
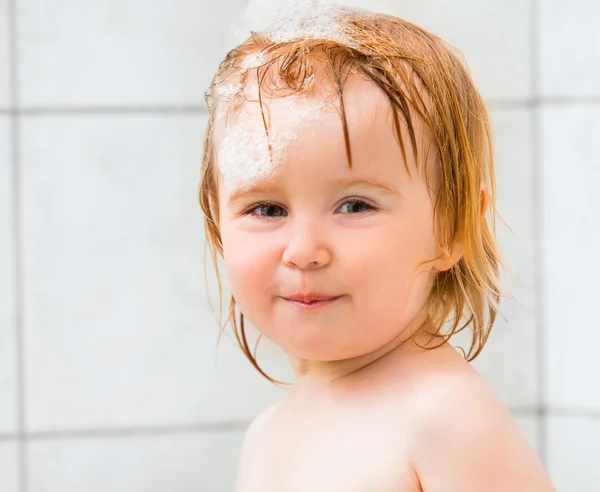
[[348, 184]]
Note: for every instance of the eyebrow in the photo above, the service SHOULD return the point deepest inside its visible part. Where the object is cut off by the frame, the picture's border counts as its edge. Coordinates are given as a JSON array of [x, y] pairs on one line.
[[374, 183], [251, 190], [259, 188]]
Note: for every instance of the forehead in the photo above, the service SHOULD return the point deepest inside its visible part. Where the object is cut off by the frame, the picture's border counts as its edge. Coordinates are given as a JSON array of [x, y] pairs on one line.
[[321, 99], [253, 142]]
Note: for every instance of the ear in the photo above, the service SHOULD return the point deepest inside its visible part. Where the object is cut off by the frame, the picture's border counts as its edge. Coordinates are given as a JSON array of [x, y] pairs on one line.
[[484, 199], [448, 261]]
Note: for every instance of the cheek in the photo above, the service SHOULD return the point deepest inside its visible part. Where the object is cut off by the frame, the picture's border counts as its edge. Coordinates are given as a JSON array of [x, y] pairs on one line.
[[249, 264], [393, 285], [397, 249], [406, 252]]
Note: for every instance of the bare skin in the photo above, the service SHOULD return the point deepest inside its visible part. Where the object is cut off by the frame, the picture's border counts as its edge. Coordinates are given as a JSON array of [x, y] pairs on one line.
[[369, 410], [413, 420]]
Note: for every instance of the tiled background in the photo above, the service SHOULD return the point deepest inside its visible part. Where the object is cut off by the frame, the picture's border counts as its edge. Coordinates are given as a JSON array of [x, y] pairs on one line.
[[109, 374]]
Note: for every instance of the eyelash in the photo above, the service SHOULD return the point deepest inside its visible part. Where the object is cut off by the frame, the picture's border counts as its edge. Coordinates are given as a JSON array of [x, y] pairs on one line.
[[252, 208]]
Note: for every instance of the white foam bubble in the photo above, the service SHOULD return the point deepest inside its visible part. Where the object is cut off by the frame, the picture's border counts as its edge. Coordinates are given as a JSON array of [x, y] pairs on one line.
[[229, 92], [244, 156], [253, 60], [283, 20]]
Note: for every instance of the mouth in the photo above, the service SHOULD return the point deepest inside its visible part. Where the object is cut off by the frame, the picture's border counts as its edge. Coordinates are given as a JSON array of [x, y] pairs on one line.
[[311, 300]]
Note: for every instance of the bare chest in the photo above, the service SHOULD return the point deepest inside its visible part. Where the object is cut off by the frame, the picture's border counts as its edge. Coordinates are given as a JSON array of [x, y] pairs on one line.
[[326, 458]]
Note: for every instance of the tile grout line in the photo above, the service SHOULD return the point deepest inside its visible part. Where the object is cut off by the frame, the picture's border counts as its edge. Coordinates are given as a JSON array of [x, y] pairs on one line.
[[538, 196], [193, 109], [231, 426], [575, 412], [240, 425], [532, 103], [17, 244], [66, 110]]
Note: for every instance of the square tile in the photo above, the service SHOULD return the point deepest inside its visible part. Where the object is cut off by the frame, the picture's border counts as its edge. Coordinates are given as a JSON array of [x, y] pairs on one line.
[[206, 461], [9, 466], [119, 52], [571, 234], [573, 450], [118, 328], [569, 53], [494, 36], [4, 55], [8, 347], [509, 359]]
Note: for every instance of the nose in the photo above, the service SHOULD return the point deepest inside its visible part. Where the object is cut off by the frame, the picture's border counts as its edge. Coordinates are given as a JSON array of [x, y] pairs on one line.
[[306, 248]]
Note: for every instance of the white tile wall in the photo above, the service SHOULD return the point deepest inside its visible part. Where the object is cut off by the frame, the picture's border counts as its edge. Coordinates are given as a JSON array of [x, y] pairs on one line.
[[120, 53], [494, 36], [573, 450], [118, 331], [571, 176], [9, 466], [157, 463], [4, 55], [8, 377], [509, 359], [569, 53]]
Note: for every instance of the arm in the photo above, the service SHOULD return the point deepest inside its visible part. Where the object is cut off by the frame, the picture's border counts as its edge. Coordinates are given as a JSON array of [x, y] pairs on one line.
[[468, 442]]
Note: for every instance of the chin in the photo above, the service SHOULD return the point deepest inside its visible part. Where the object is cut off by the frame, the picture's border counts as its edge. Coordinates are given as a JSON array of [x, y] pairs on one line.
[[318, 348]]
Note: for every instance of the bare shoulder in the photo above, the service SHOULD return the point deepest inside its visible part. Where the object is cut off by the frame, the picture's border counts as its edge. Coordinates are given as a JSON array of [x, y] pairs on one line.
[[259, 422], [249, 455], [464, 439]]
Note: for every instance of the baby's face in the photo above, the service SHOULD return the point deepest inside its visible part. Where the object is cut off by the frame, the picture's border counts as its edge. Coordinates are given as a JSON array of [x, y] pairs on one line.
[[312, 228]]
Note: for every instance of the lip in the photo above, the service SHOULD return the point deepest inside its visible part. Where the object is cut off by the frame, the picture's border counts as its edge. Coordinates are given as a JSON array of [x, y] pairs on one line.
[[310, 300]]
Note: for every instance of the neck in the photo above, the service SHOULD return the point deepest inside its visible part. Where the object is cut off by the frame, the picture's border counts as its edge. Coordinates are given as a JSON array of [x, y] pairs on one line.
[[311, 373]]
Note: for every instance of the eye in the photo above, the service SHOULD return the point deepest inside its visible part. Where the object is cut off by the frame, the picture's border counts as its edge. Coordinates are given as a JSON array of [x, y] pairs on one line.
[[268, 210], [355, 206]]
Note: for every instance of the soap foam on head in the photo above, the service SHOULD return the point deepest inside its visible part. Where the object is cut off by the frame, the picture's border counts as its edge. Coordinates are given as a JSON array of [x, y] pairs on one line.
[[229, 92], [283, 20], [246, 155], [254, 60]]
